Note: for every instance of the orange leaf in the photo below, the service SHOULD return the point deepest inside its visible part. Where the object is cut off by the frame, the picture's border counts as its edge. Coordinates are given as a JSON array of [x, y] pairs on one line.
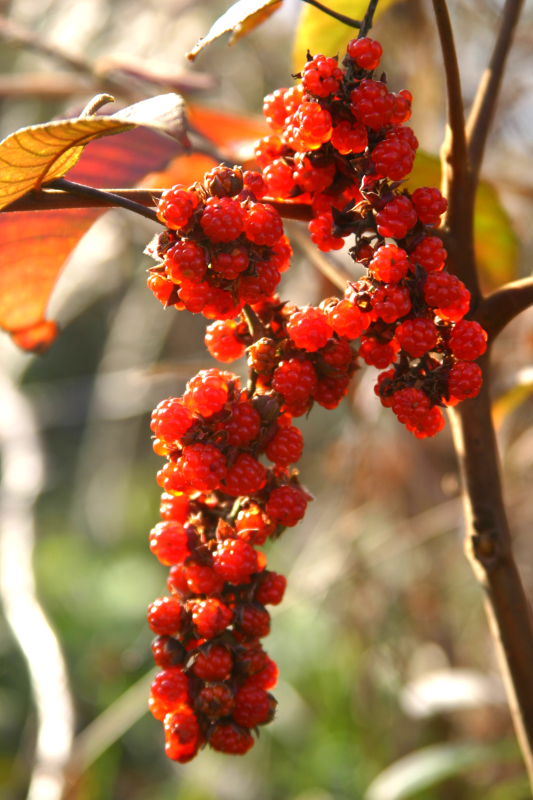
[[234, 133], [242, 17]]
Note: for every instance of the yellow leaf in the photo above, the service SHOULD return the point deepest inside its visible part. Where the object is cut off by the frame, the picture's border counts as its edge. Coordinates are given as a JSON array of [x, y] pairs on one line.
[[319, 33], [41, 153], [239, 19]]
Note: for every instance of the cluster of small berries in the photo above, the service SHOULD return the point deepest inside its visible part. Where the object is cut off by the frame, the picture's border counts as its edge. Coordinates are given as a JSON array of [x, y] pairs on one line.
[[219, 503], [222, 247]]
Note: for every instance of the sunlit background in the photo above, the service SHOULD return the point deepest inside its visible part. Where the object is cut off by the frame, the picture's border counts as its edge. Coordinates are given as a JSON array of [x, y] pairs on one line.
[[389, 687]]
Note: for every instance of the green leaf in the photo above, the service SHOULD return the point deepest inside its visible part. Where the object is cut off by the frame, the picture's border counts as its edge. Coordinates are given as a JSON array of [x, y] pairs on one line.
[[497, 246], [38, 154], [239, 19], [319, 33]]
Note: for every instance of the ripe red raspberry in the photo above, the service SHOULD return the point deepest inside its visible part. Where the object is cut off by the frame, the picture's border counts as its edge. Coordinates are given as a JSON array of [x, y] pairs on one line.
[[349, 137], [275, 109], [195, 296], [339, 354], [186, 261], [365, 52], [168, 652], [245, 476], [228, 738], [263, 356], [311, 177], [244, 424], [170, 477], [170, 689], [221, 304], [378, 354], [202, 579], [213, 663], [165, 616], [286, 446], [266, 678], [411, 405], [417, 336], [295, 379], [215, 701], [393, 159], [262, 224], [253, 706], [431, 424], [391, 302], [174, 507], [207, 391], [253, 620], [321, 228], [443, 290], [162, 288], [397, 218], [222, 219], [372, 104], [203, 466], [176, 207], [348, 320], [231, 263], [286, 505], [322, 76], [468, 340], [210, 616], [235, 560], [429, 204], [430, 254], [309, 329], [177, 582], [383, 387], [390, 264], [279, 178], [402, 107], [314, 125], [254, 288], [330, 391], [253, 526], [169, 542], [183, 737], [171, 420], [267, 149], [270, 589], [458, 309], [223, 342], [466, 379], [281, 254], [254, 183]]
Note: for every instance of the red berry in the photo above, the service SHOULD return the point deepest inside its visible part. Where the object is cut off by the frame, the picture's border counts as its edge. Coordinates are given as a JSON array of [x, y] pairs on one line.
[[378, 354], [309, 328], [168, 652], [243, 425], [253, 526], [253, 620], [365, 52], [162, 288], [222, 219], [202, 579], [207, 391], [169, 542], [466, 379], [165, 616], [295, 379], [391, 302], [235, 560], [430, 254], [314, 125], [372, 104], [396, 218], [262, 224], [348, 320], [321, 229], [417, 336], [177, 206], [411, 405], [349, 137], [393, 158], [231, 263], [186, 261], [321, 76], [389, 264], [286, 505], [468, 340], [210, 616], [203, 466], [169, 690], [171, 420], [429, 204], [270, 589], [215, 701], [286, 446], [253, 706], [311, 177], [182, 734], [222, 341], [228, 738], [213, 663], [279, 178]]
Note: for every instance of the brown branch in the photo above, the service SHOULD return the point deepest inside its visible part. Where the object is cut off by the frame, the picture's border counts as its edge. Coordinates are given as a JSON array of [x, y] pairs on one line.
[[456, 173], [482, 111], [488, 547], [352, 23], [499, 308]]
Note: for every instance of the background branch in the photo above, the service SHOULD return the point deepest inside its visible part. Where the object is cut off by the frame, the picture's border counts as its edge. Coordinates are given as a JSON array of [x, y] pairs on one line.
[[499, 308]]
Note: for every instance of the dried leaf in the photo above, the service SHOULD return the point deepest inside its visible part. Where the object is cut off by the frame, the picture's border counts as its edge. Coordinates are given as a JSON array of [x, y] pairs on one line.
[[239, 19]]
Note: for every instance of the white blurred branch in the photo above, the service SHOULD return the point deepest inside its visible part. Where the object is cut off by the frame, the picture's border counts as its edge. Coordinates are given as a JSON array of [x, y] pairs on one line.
[[22, 478]]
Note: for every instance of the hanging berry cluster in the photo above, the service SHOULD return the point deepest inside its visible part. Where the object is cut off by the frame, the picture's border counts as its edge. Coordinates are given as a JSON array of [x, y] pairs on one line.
[[341, 146]]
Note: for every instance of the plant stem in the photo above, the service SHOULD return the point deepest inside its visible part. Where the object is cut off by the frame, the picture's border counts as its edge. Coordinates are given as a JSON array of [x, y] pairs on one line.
[[369, 18], [499, 308], [456, 173], [116, 200], [353, 23], [254, 323], [488, 548], [482, 112]]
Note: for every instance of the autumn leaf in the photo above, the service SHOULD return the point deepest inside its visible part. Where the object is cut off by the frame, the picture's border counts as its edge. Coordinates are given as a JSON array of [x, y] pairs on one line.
[[319, 33], [40, 153], [239, 19]]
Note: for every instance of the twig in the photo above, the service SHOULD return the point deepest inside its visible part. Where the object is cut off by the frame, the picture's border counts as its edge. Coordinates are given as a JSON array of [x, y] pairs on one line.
[[22, 466], [369, 18], [456, 176], [103, 195], [503, 305], [353, 23], [482, 112], [488, 546]]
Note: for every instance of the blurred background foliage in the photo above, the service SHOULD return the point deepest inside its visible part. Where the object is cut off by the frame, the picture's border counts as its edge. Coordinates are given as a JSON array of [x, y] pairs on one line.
[[389, 685]]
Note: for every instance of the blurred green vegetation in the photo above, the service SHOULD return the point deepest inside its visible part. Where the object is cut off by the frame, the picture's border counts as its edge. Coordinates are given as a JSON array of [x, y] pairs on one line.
[[380, 597]]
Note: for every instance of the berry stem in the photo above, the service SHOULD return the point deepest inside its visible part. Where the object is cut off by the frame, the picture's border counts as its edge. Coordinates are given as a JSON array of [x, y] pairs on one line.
[[89, 191], [488, 548], [482, 111], [55, 199], [368, 19], [457, 184], [503, 305], [353, 23], [254, 323]]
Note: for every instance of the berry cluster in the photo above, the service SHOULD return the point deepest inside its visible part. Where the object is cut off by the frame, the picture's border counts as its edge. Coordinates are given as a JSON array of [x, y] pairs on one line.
[[229, 481], [222, 248]]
